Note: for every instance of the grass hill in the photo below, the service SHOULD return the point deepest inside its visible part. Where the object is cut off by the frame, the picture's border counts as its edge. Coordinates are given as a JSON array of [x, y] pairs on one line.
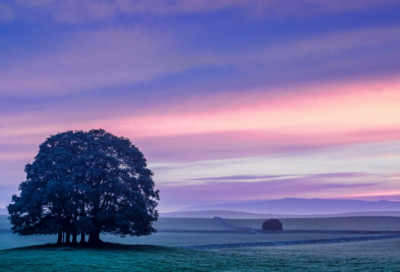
[[246, 215], [300, 206], [213, 213], [362, 256]]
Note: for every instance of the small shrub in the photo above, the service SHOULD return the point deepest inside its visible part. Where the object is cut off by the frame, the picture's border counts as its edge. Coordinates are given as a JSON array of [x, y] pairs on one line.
[[272, 225]]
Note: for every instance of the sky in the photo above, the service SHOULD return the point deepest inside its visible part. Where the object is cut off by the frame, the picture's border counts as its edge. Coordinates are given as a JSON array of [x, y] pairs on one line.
[[228, 100]]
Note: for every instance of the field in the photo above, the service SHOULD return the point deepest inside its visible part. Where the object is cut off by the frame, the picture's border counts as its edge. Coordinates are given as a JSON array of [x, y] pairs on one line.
[[361, 256], [159, 252], [332, 223]]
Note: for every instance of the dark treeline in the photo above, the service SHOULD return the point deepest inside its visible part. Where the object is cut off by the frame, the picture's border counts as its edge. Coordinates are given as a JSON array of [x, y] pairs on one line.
[[85, 183]]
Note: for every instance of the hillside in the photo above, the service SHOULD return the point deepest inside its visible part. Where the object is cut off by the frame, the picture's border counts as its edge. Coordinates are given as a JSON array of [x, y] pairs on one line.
[[223, 214], [298, 206], [246, 215]]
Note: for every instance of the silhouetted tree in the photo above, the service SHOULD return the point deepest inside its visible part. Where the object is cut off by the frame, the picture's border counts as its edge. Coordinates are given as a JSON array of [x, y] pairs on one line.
[[272, 225], [87, 183]]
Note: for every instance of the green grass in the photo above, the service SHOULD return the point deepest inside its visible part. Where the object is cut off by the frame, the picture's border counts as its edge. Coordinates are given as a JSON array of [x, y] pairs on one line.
[[361, 256], [188, 239], [380, 255]]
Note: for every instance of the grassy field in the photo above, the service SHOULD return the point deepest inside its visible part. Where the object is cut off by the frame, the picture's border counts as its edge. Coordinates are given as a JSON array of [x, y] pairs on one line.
[[361, 256], [188, 224], [9, 240], [162, 223], [157, 252], [188, 239], [332, 223]]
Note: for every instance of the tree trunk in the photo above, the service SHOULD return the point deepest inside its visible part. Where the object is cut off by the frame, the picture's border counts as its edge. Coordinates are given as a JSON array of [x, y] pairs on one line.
[[94, 238], [74, 235], [75, 231], [67, 238], [59, 239], [82, 241]]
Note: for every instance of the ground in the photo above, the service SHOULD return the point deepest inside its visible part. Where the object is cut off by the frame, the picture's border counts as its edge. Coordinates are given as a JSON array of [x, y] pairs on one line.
[[159, 252], [360, 256]]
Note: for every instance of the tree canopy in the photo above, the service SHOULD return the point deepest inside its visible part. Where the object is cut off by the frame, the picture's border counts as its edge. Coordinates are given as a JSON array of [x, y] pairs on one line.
[[272, 225], [86, 183]]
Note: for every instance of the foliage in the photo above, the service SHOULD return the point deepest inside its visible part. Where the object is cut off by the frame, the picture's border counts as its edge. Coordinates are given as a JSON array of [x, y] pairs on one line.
[[272, 225], [86, 182]]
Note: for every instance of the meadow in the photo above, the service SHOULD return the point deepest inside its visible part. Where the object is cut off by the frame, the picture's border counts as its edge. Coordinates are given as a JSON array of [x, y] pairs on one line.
[[329, 223], [162, 252]]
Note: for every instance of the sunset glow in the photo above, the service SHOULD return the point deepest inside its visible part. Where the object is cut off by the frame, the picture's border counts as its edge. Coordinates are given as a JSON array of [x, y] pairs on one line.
[[220, 96]]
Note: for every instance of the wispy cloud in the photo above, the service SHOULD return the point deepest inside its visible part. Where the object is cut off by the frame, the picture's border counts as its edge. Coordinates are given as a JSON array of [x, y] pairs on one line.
[[252, 143], [75, 11], [360, 185], [284, 177], [267, 189], [92, 59], [6, 12], [115, 57], [242, 177]]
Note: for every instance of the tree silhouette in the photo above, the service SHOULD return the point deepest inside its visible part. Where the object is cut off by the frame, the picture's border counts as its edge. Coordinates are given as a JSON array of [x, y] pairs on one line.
[[272, 225], [87, 183]]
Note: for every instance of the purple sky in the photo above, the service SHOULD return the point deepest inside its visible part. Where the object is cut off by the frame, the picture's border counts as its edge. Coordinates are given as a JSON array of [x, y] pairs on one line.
[[228, 100]]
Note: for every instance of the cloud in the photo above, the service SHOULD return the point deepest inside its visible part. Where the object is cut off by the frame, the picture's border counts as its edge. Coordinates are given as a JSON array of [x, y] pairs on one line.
[[88, 60], [267, 189], [350, 110], [238, 144], [222, 85], [75, 11], [241, 177], [114, 57], [6, 12], [250, 178], [347, 185], [187, 144]]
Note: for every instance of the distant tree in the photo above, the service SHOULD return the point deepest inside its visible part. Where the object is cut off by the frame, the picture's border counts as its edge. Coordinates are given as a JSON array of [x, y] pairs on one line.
[[272, 225], [87, 183]]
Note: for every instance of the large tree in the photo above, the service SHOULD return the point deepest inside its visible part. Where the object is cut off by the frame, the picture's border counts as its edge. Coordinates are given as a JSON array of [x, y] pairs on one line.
[[88, 183]]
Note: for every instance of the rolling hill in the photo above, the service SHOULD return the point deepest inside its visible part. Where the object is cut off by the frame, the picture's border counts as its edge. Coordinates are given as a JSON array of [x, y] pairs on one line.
[[298, 206], [245, 215]]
